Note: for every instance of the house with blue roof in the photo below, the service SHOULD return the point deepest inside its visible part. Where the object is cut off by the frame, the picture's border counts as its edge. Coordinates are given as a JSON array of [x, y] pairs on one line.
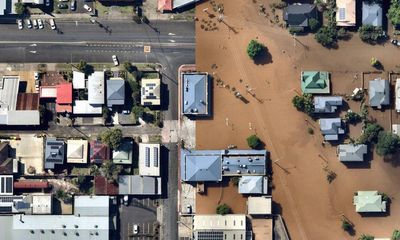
[[253, 185], [327, 104], [195, 94], [331, 128], [115, 92], [379, 93], [372, 14]]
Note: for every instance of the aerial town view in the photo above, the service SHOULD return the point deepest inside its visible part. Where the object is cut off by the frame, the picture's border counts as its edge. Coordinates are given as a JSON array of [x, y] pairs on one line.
[[199, 119]]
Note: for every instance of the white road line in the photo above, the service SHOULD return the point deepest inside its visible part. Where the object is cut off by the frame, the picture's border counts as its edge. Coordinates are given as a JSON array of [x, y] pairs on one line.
[[171, 34]]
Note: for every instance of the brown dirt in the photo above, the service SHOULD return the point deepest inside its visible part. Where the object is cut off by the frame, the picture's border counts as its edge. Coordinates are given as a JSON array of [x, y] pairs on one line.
[[310, 206]]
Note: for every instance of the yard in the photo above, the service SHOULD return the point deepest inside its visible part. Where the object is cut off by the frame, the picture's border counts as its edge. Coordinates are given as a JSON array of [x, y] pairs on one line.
[[311, 207]]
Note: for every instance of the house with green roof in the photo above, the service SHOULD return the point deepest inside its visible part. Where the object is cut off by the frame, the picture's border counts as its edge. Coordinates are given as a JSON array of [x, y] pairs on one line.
[[315, 82], [369, 201]]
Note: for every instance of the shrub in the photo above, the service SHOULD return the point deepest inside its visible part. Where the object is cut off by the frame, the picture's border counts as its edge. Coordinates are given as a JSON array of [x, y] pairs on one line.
[[366, 237], [112, 137], [346, 226], [396, 235], [295, 30], [82, 65], [374, 62], [310, 131], [254, 49], [223, 209], [235, 180], [394, 12], [352, 117], [387, 143], [19, 8], [254, 142], [327, 36], [370, 133], [313, 24], [369, 33], [304, 103], [342, 34]]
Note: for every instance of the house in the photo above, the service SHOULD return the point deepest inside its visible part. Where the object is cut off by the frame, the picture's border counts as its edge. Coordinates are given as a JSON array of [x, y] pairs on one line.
[[6, 185], [149, 159], [211, 165], [8, 165], [90, 221], [54, 153], [139, 185], [346, 13], [371, 14], [253, 185], [379, 93], [195, 93], [64, 98], [77, 151], [123, 155], [78, 80], [369, 201], [17, 109], [150, 92], [115, 92], [96, 88], [259, 205], [104, 187], [331, 128], [315, 82], [99, 152], [328, 104], [397, 92], [215, 226], [297, 16], [351, 152], [83, 107]]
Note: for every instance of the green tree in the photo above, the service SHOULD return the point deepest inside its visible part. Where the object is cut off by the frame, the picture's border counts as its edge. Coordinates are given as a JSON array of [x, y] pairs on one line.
[[138, 111], [223, 209], [254, 142], [366, 237], [326, 36], [343, 34], [254, 49], [112, 137], [313, 24], [304, 103], [110, 171], [19, 8], [352, 117], [81, 66], [370, 133], [346, 225], [394, 12], [128, 66], [370, 33], [395, 235], [387, 143]]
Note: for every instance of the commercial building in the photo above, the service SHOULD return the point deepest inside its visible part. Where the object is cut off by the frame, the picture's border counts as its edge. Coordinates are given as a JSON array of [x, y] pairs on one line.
[[6, 185], [149, 159], [151, 92], [77, 151], [351, 152], [139, 185], [96, 88], [259, 205], [27, 204], [195, 93], [78, 80], [8, 165], [54, 153], [83, 107], [220, 227], [64, 98], [369, 201], [115, 92]]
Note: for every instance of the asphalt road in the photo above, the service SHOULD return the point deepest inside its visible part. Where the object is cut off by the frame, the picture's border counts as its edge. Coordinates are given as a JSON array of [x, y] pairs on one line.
[[172, 44]]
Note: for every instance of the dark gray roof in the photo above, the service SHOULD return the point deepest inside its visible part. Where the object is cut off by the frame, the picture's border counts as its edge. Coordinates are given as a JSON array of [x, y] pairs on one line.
[[139, 185], [195, 94], [115, 92], [331, 128], [297, 15], [327, 104], [379, 93], [54, 152], [202, 165], [351, 152]]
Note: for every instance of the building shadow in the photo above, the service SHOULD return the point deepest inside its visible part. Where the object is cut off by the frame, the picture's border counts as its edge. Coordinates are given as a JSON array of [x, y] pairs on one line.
[[164, 97], [164, 154]]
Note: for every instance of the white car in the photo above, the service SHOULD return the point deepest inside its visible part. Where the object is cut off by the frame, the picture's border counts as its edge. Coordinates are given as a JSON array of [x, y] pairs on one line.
[[28, 23], [35, 23], [40, 23], [53, 24], [89, 9], [135, 229], [36, 75], [20, 24], [115, 60]]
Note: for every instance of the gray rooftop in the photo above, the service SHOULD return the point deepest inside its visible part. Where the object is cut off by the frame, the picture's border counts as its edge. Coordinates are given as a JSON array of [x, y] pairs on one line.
[[54, 152], [204, 165], [253, 185], [123, 155], [379, 93], [139, 185], [351, 152], [115, 92], [244, 162], [327, 104], [195, 94], [371, 14], [297, 15], [91, 205], [331, 128]]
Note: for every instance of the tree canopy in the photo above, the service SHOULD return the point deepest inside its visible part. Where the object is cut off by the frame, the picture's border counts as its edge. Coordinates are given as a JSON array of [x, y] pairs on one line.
[[388, 143], [370, 133], [19, 8], [394, 12], [223, 209], [304, 103], [254, 49], [326, 36], [370, 33], [254, 142], [112, 137]]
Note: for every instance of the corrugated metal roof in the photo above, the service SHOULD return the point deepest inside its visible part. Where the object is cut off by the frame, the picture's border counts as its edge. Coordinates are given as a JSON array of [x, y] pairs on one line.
[[195, 93], [84, 107], [64, 93], [96, 88], [78, 80], [115, 92]]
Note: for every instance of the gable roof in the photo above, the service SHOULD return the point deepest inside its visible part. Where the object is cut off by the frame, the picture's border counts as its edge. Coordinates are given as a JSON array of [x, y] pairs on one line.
[[371, 14], [297, 15], [331, 128], [77, 151], [315, 82], [327, 104], [64, 93], [99, 152], [78, 80], [351, 152], [253, 185], [346, 13], [369, 201], [204, 166], [195, 93], [115, 92], [139, 185], [54, 152], [379, 93], [6, 162], [96, 87], [123, 155]]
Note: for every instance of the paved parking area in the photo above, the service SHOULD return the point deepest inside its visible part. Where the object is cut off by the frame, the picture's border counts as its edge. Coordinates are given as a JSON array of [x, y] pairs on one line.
[[142, 212]]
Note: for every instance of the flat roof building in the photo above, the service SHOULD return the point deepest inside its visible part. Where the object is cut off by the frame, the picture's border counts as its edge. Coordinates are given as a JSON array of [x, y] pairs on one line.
[[328, 104], [83, 107], [78, 80], [195, 91], [253, 185], [54, 153], [151, 92], [42, 204], [259, 205], [346, 13], [379, 93], [6, 185], [96, 88], [123, 155], [369, 201], [116, 92], [139, 185], [331, 128], [352, 153], [149, 159], [77, 151]]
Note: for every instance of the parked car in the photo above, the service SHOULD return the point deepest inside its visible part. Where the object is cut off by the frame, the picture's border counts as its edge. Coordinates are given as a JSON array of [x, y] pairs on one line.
[[20, 24], [52, 24], [62, 6], [36, 75], [188, 209], [47, 3], [126, 111], [115, 60], [89, 9], [73, 5], [63, 0], [395, 42], [126, 200], [28, 23], [35, 23], [135, 229], [40, 23]]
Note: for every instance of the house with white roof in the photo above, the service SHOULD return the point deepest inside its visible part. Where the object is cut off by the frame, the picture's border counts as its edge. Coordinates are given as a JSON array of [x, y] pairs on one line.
[[327, 104], [379, 93], [352, 152], [77, 151], [96, 88]]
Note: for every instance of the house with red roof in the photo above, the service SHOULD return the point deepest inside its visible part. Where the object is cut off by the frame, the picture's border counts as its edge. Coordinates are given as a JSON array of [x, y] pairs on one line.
[[64, 98], [99, 152]]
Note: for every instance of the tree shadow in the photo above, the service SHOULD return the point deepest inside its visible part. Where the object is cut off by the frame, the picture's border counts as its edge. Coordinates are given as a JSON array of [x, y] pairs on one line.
[[264, 57], [393, 159]]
